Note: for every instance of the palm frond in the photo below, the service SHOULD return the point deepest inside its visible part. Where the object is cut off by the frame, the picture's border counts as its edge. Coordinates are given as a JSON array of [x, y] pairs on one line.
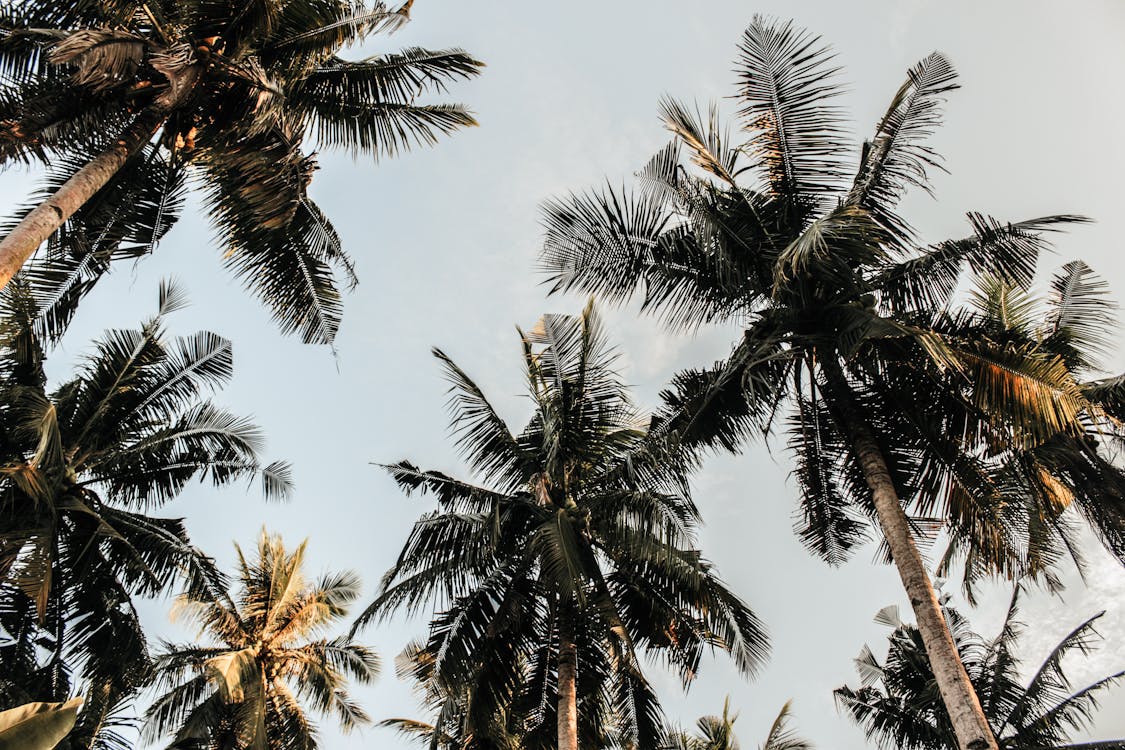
[[1029, 389], [601, 242], [394, 78], [1080, 317], [897, 157], [480, 432], [704, 139], [781, 736], [786, 88], [1007, 251], [124, 220], [100, 58], [381, 128]]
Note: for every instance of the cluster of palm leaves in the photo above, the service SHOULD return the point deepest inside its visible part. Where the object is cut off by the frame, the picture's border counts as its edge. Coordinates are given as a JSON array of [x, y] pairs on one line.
[[84, 466], [908, 411], [898, 707], [246, 689], [130, 103], [717, 733], [571, 561], [927, 391]]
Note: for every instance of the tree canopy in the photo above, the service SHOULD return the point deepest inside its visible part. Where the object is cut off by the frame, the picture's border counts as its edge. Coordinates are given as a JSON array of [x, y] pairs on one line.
[[221, 95]]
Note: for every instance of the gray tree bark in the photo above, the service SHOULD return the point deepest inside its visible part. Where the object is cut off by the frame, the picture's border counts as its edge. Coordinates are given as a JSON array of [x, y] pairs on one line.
[[957, 693]]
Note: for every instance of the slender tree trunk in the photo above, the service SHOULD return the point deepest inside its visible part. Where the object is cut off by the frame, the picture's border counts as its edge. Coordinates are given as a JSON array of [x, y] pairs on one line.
[[957, 693], [568, 685], [49, 215]]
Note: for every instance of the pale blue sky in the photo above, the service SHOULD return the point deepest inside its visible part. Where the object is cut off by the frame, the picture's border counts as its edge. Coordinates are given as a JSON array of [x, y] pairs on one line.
[[445, 242]]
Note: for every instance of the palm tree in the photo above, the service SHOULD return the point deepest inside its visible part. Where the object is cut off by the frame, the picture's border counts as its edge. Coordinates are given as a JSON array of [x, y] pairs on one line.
[[1041, 467], [712, 733], [449, 704], [247, 688], [847, 325], [128, 98], [717, 733], [81, 468], [573, 555], [898, 707]]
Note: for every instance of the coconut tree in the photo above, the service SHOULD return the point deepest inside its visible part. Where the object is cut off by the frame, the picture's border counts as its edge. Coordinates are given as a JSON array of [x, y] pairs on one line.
[[571, 557], [712, 733], [82, 466], [266, 661], [901, 414], [127, 99], [717, 733], [449, 705], [898, 707], [1037, 475]]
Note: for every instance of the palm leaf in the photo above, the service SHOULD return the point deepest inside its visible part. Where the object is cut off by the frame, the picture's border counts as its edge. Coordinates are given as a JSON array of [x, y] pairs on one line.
[[599, 242], [705, 139], [898, 157], [37, 726], [1080, 316], [484, 438], [781, 736], [786, 84], [1007, 251]]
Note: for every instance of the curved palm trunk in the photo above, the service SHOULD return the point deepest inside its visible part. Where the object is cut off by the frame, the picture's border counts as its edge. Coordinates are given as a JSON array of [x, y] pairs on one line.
[[568, 687], [957, 693], [49, 215]]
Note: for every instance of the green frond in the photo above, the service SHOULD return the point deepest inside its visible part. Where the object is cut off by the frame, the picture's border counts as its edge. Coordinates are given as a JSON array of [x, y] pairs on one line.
[[781, 736], [601, 242], [897, 157], [1024, 387], [484, 438], [720, 407], [786, 90], [294, 269], [351, 24], [1080, 316], [25, 36], [1007, 251], [393, 78], [382, 128], [99, 58], [847, 235], [1005, 306], [828, 524], [124, 220]]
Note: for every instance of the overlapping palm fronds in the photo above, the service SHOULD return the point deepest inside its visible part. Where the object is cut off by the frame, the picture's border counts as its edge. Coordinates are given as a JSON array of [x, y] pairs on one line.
[[905, 410], [897, 705], [717, 733], [128, 102], [572, 558], [267, 659], [82, 467]]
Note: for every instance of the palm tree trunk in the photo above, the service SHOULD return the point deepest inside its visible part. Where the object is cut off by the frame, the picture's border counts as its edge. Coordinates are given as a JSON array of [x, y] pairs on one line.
[[568, 685], [957, 693], [49, 215]]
